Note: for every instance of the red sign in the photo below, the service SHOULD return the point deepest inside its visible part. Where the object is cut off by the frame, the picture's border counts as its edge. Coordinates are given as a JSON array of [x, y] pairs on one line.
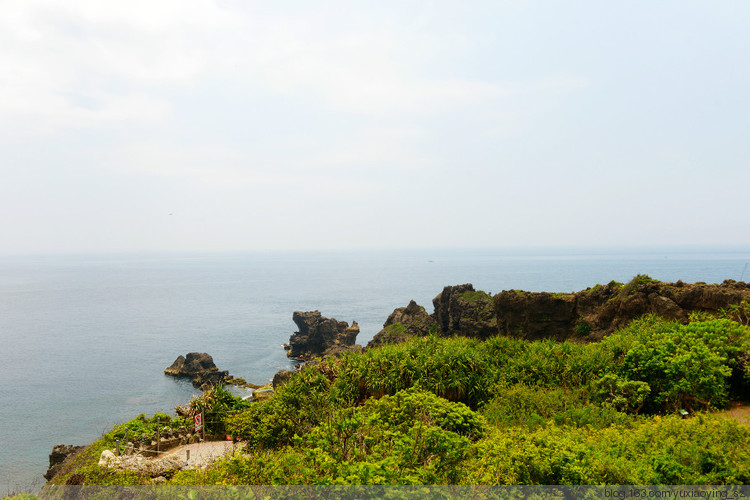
[[198, 422]]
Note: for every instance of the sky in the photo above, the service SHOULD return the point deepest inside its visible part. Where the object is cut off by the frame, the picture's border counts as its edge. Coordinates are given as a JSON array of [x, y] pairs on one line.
[[222, 125]]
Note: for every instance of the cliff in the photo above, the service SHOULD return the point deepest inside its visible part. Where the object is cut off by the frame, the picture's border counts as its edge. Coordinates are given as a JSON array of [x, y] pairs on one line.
[[593, 313], [587, 315]]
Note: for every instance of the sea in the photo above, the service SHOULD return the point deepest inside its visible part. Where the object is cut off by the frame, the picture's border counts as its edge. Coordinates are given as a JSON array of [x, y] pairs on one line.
[[85, 339]]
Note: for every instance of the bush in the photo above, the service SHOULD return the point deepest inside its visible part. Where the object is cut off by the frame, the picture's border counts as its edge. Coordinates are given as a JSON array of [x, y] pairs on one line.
[[622, 394], [217, 404], [702, 450], [534, 407], [457, 369], [296, 407], [412, 437], [687, 364]]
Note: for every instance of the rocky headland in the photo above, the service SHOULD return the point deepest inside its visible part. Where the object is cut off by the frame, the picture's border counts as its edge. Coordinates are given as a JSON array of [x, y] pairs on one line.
[[587, 315]]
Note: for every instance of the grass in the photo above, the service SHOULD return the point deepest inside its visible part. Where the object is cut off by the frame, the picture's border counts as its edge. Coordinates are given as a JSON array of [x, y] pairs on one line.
[[476, 296]]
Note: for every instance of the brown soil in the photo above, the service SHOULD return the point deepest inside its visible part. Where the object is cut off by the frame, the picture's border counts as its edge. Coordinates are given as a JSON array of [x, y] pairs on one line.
[[738, 411]]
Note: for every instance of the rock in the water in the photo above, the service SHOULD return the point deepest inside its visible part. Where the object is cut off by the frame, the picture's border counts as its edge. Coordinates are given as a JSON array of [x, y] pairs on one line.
[[319, 336], [404, 323], [60, 452], [195, 362], [198, 366]]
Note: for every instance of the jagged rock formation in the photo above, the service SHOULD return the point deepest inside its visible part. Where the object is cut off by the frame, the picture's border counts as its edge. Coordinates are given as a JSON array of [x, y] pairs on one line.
[[199, 367], [403, 323], [596, 312], [593, 313], [462, 309], [60, 453], [588, 315], [320, 336], [535, 315]]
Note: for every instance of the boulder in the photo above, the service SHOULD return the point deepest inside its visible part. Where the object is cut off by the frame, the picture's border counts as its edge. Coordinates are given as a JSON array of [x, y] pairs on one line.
[[263, 393], [199, 367], [107, 459], [319, 336], [404, 323]]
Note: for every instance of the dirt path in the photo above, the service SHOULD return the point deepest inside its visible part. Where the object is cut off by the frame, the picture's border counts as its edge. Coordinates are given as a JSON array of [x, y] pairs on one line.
[[739, 412], [204, 453]]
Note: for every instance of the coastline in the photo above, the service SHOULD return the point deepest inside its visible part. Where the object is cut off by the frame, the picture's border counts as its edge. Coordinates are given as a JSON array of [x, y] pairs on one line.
[[457, 310], [128, 315]]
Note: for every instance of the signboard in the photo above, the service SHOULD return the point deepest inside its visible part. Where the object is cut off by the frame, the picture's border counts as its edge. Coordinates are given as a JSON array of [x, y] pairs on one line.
[[198, 422]]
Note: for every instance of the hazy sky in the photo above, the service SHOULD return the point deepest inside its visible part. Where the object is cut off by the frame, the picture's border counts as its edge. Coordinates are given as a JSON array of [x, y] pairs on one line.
[[233, 125]]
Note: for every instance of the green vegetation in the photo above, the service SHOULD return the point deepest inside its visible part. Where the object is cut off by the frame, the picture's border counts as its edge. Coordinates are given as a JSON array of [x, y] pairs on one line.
[[737, 312], [476, 296], [582, 328], [638, 280], [217, 405], [395, 329], [451, 410]]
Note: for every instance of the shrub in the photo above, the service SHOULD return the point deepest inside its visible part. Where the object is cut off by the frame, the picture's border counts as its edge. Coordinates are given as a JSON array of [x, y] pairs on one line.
[[457, 369], [534, 407], [622, 394], [217, 404], [413, 436], [687, 364], [701, 450], [296, 407]]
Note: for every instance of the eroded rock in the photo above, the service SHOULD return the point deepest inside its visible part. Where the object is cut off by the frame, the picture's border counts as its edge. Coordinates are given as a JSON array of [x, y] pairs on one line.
[[404, 323], [320, 336], [593, 313], [588, 315], [60, 453], [199, 367], [461, 310]]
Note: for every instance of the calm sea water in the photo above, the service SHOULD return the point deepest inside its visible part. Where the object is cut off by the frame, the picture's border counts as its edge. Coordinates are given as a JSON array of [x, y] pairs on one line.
[[85, 339]]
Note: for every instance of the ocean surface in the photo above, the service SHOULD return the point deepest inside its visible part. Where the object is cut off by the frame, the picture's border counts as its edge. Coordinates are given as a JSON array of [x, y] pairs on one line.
[[85, 339]]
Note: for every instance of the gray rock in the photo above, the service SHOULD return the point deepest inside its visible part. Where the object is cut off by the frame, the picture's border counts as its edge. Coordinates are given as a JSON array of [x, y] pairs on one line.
[[318, 334], [198, 366]]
